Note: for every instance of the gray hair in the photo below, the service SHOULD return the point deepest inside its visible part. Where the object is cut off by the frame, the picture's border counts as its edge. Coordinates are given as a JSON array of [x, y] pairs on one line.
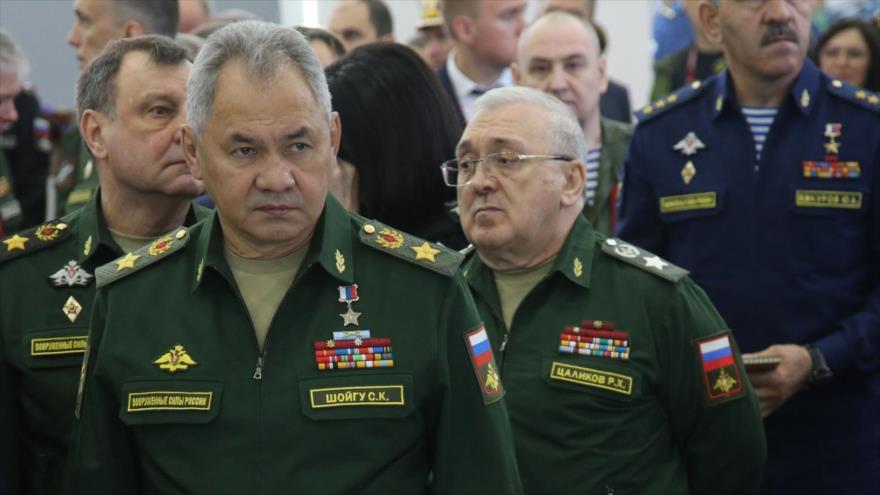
[[12, 59], [156, 16], [96, 86], [264, 47], [562, 123]]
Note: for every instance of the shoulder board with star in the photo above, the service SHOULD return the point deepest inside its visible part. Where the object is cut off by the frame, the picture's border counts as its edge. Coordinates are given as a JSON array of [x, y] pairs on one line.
[[142, 257], [679, 96], [411, 248], [33, 239], [645, 260], [860, 96]]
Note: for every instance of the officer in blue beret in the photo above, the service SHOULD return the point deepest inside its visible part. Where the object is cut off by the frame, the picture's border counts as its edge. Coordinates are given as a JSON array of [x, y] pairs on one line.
[[764, 182]]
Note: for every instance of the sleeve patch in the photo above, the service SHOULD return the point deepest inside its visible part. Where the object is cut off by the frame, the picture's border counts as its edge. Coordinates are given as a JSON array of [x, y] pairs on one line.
[[480, 350], [719, 370]]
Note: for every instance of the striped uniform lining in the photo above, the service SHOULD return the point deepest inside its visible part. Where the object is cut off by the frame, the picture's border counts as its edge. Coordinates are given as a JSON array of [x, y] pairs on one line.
[[592, 174], [759, 120]]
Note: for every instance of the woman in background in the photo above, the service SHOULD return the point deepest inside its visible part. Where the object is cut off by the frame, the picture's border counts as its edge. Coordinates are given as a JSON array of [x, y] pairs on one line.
[[398, 126], [850, 50]]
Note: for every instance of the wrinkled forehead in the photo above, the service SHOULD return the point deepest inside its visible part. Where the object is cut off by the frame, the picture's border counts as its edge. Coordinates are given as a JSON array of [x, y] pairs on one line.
[[518, 127]]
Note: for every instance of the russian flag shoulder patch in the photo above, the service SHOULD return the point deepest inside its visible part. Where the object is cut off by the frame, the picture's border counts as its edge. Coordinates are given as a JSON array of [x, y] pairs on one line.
[[719, 368], [480, 350]]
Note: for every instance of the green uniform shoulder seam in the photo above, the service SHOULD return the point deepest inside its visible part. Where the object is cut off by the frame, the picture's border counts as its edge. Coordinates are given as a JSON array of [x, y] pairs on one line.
[[854, 94], [645, 260], [34, 239], [142, 257], [410, 248], [681, 95]]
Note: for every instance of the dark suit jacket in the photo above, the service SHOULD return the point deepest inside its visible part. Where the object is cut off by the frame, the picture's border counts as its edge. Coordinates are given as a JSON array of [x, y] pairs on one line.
[[614, 104], [443, 75]]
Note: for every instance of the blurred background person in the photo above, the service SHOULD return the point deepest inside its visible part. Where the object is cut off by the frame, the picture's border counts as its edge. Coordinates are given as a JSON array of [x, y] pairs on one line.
[[850, 50], [325, 44], [614, 102], [696, 62], [219, 19], [485, 33], [398, 127], [193, 13], [358, 22], [97, 22], [559, 54], [24, 142], [433, 35]]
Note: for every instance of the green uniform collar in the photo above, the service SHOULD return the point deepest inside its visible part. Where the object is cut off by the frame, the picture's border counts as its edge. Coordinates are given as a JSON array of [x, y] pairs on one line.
[[93, 232], [574, 262], [331, 246]]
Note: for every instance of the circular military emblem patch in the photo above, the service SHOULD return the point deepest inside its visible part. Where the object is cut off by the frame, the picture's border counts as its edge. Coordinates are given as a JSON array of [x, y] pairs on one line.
[[160, 245], [389, 238], [47, 232]]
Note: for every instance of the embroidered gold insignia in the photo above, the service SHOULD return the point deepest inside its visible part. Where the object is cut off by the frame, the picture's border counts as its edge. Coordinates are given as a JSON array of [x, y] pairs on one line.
[[160, 245], [47, 232], [88, 169], [87, 247], [127, 262], [340, 262], [493, 382], [672, 99], [72, 308], [873, 100], [15, 242], [861, 95], [725, 382], [199, 270], [578, 268], [688, 172], [390, 239], [175, 359], [805, 99], [425, 252]]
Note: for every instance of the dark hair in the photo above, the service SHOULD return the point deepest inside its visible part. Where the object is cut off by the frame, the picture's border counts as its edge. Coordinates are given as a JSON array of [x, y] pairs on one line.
[[380, 16], [156, 16], [398, 126], [872, 38], [96, 86], [324, 36]]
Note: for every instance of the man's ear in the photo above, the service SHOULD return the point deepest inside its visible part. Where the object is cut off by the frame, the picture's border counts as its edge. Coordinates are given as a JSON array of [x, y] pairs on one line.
[[463, 28], [575, 181], [189, 143], [603, 74], [335, 132], [133, 28], [708, 14], [516, 73], [92, 128]]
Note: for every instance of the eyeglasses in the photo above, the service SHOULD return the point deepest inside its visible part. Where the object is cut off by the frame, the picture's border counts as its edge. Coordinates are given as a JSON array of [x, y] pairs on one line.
[[459, 173]]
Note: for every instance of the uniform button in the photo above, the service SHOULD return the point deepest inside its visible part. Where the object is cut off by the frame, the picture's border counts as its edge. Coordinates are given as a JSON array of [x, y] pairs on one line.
[[369, 228], [611, 242], [61, 226], [696, 84], [836, 83], [181, 234]]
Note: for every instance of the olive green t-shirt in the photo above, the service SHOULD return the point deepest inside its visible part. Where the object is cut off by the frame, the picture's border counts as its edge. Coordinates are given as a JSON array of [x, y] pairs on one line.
[[514, 286], [263, 283], [129, 243]]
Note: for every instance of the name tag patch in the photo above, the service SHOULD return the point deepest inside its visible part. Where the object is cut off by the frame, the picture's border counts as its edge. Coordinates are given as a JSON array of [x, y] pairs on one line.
[[59, 346], [848, 200], [376, 395], [169, 401], [589, 377], [688, 202]]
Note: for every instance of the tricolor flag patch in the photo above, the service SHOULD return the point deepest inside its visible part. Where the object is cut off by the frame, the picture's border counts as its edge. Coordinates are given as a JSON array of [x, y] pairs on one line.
[[480, 350], [720, 371]]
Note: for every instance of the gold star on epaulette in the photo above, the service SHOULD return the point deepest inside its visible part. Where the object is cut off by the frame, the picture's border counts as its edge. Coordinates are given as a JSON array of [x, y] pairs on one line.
[[15, 242], [425, 252], [127, 262]]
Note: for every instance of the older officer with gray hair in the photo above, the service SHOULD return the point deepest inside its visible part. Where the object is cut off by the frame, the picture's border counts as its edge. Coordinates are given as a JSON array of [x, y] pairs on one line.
[[621, 376], [284, 344]]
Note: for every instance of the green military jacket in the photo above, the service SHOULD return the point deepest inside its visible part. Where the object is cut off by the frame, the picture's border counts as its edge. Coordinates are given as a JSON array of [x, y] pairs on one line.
[[10, 208], [615, 141], [669, 418], [86, 180], [47, 287], [178, 397]]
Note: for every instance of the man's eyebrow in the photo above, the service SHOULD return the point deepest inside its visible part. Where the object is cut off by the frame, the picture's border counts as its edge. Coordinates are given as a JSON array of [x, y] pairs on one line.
[[299, 133], [238, 137]]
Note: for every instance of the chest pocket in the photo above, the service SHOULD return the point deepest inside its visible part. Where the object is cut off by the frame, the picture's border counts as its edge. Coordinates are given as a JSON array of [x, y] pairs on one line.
[[357, 396], [592, 377], [170, 401], [55, 347], [679, 205]]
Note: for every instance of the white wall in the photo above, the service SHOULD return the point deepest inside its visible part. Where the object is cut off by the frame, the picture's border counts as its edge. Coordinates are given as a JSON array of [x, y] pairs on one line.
[[626, 22]]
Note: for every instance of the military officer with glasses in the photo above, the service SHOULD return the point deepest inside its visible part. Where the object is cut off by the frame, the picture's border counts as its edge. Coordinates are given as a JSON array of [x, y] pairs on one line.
[[620, 375]]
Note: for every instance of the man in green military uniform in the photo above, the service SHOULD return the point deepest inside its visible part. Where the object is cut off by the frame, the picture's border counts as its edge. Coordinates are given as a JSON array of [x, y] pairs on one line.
[[96, 23], [559, 54], [12, 69], [620, 375], [131, 102], [284, 344]]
